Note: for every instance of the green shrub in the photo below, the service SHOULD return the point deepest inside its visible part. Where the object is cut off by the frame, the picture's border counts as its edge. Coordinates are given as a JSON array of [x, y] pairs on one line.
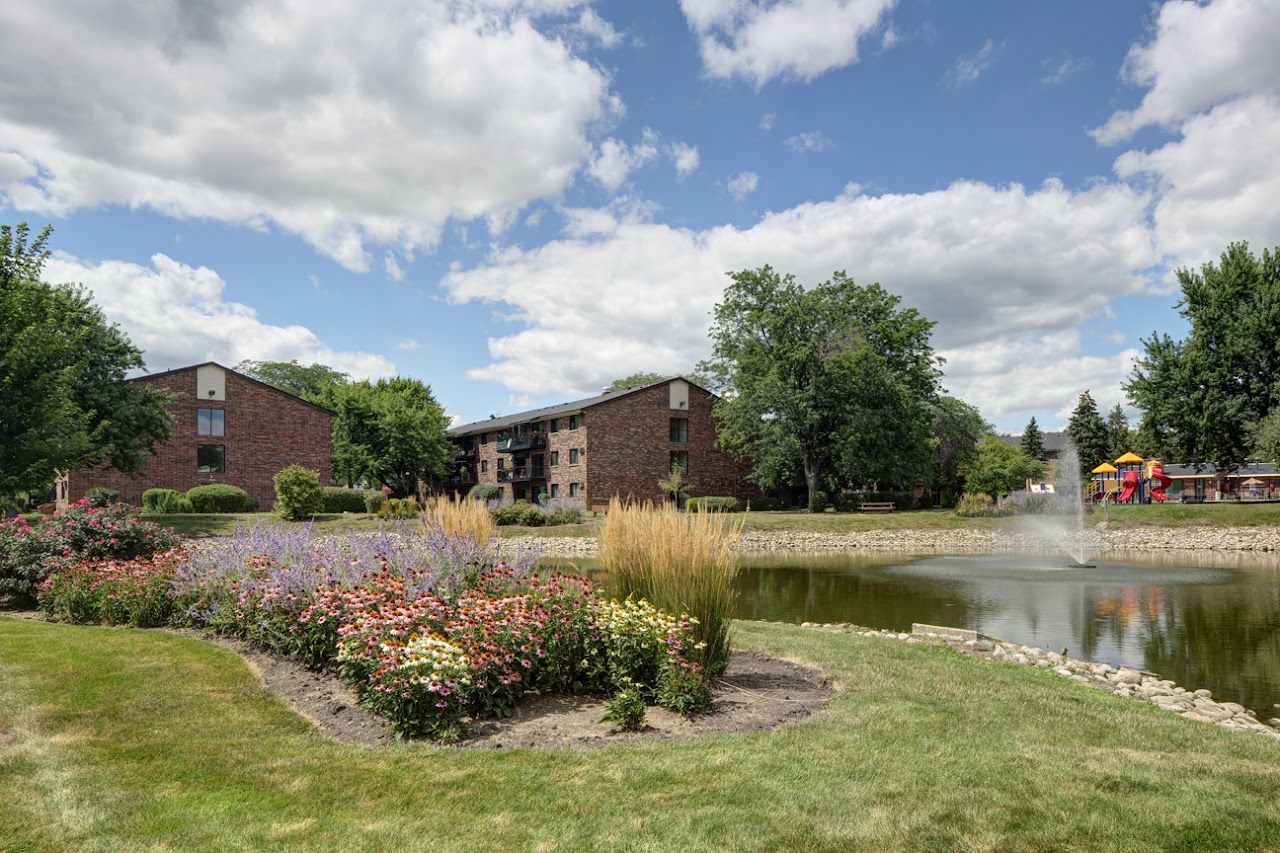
[[101, 496], [714, 504], [626, 710], [506, 515], [400, 508], [764, 503], [218, 497], [338, 499], [165, 501], [375, 502], [568, 515], [485, 492], [683, 689], [298, 492], [978, 505], [819, 502]]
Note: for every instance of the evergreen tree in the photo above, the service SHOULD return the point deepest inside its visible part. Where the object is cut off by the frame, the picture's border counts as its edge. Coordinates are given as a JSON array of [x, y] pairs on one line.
[[1089, 433], [1033, 440], [1120, 438]]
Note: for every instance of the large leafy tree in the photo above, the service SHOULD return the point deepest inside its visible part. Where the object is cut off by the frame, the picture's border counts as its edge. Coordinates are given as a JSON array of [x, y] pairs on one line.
[[63, 401], [309, 381], [1033, 440], [836, 382], [998, 468], [649, 378], [1088, 432], [957, 429], [1202, 396], [1120, 438]]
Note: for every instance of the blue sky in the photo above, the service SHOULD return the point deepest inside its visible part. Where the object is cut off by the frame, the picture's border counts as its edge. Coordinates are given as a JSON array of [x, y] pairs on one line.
[[519, 200]]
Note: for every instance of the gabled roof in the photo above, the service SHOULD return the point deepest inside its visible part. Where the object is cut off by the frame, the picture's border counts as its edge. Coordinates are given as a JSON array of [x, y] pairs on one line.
[[268, 385], [1247, 469], [572, 407]]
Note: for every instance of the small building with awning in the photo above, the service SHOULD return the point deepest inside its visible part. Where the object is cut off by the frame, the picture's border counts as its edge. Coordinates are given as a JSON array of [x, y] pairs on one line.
[[1252, 481]]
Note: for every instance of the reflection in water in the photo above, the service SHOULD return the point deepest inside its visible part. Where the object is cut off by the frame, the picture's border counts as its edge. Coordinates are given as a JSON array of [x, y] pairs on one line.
[[1202, 627]]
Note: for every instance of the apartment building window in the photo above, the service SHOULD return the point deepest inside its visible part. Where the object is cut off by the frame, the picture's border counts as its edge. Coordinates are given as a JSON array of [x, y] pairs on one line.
[[680, 458], [501, 462], [575, 421], [573, 456], [555, 490], [555, 424], [211, 459], [484, 438], [555, 457], [484, 466], [680, 430], [575, 490], [211, 422]]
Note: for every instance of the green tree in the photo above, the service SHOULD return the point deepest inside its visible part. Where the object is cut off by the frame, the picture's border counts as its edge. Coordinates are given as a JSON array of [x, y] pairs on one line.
[[1200, 396], [1120, 439], [1088, 432], [1033, 440], [957, 429], [390, 432], [64, 403], [1264, 438], [835, 382], [649, 378], [310, 381], [998, 468], [674, 483]]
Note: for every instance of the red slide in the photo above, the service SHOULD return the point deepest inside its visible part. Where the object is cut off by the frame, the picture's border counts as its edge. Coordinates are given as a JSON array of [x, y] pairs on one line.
[[1163, 481], [1127, 487]]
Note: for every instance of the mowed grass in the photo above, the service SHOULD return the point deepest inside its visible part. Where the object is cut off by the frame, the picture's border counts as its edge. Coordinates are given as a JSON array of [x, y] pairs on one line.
[[1169, 515], [119, 739]]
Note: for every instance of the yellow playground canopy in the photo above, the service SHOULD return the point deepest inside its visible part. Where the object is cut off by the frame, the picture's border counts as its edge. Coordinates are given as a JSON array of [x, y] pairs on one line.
[[1129, 458], [1104, 468]]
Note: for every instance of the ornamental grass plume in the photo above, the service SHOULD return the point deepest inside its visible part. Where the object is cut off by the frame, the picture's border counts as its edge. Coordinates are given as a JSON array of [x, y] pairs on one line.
[[683, 562], [461, 518]]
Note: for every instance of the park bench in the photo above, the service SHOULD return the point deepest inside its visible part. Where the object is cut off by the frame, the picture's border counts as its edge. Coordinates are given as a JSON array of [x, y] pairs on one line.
[[877, 506]]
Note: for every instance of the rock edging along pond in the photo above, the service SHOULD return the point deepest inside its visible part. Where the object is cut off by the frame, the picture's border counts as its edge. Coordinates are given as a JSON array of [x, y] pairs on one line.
[[1135, 684], [1259, 539]]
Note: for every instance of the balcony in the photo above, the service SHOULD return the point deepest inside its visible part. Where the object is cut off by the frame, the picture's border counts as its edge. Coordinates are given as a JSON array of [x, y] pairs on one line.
[[465, 474], [521, 475], [521, 442], [466, 452]]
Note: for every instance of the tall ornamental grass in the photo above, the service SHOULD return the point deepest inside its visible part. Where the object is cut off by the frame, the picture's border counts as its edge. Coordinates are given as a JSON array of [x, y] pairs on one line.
[[461, 518], [682, 562]]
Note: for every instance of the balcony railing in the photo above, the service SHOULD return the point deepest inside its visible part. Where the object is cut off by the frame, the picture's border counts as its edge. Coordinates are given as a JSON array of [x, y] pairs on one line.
[[521, 475], [524, 441], [465, 474], [464, 452]]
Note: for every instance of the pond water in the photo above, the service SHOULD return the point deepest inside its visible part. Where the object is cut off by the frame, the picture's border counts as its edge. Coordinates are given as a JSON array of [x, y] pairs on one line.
[[1201, 620]]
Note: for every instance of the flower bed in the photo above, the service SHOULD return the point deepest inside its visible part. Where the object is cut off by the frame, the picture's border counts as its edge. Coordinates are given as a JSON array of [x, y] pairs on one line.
[[431, 630]]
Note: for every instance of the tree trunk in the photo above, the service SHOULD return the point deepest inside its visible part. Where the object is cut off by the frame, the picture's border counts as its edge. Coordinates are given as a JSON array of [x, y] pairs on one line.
[[812, 467]]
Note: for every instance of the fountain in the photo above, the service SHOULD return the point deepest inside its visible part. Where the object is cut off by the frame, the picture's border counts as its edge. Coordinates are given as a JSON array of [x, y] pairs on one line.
[[1064, 523]]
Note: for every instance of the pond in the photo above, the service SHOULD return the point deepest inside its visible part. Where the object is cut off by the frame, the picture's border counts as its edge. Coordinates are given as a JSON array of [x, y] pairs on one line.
[[1199, 619]]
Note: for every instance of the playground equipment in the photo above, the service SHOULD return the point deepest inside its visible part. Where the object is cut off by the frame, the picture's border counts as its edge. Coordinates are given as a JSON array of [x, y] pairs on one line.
[[1104, 483], [1159, 479], [1129, 467]]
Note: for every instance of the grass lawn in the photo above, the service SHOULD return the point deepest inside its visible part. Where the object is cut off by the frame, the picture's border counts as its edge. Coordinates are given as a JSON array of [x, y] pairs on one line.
[[125, 739], [1173, 515]]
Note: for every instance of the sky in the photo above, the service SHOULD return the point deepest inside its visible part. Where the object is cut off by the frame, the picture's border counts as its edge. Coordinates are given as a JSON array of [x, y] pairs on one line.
[[518, 201]]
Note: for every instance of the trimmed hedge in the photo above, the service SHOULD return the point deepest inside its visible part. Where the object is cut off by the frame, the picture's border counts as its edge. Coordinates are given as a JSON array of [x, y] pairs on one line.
[[525, 514], [219, 497], [298, 492], [485, 491], [166, 501], [713, 504], [101, 496], [375, 502], [340, 499]]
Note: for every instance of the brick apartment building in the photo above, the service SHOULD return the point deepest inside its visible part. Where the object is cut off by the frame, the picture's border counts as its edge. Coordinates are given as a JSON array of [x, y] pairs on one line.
[[227, 428], [618, 443]]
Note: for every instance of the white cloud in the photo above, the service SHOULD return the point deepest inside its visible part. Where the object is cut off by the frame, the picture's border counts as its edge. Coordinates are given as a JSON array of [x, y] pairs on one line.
[[810, 140], [984, 261], [1218, 183], [766, 121], [1199, 55], [392, 267], [685, 157], [1060, 71], [594, 27], [743, 184], [615, 160], [408, 344], [757, 40], [969, 68], [1012, 377], [178, 315], [348, 127]]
